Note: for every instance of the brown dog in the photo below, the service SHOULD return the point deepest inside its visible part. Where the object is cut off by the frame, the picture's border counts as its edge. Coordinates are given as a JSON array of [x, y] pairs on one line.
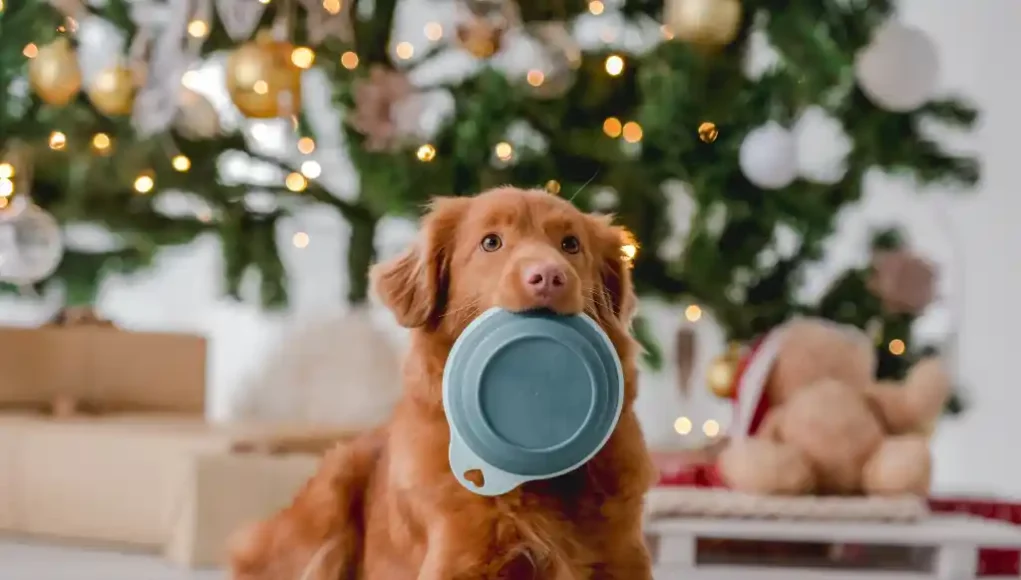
[[386, 507]]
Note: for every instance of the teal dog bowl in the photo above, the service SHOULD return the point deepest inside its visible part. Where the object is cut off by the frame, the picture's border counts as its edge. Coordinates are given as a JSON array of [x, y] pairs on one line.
[[529, 396]]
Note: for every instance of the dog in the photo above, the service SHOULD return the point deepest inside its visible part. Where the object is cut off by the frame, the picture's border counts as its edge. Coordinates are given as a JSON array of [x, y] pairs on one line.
[[387, 507]]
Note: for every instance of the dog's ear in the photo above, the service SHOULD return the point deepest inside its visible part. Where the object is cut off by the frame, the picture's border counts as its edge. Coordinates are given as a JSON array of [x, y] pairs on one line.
[[414, 284], [619, 302]]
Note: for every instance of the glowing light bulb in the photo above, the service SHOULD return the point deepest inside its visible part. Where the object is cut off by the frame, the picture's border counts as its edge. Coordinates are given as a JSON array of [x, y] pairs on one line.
[[693, 313], [612, 127], [306, 145], [433, 31], [144, 184], [426, 153], [101, 142], [596, 7], [349, 60], [303, 57], [683, 425], [504, 151], [198, 28], [30, 50], [6, 188], [300, 240], [333, 6], [614, 65], [711, 428], [897, 347], [296, 182], [57, 140], [311, 169], [181, 163], [535, 77], [260, 87], [6, 171], [632, 132], [404, 50]]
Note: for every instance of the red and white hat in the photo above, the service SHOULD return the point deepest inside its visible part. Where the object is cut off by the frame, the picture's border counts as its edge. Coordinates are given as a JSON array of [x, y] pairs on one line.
[[749, 390]]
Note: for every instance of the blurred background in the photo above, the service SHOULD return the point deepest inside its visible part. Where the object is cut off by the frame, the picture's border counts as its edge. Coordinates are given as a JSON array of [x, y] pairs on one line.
[[191, 192]]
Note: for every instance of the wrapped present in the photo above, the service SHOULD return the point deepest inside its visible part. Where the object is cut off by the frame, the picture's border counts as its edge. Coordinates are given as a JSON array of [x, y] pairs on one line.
[[148, 481], [80, 362]]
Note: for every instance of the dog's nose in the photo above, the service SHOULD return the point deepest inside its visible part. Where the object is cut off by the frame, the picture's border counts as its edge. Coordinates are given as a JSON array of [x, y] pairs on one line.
[[545, 279]]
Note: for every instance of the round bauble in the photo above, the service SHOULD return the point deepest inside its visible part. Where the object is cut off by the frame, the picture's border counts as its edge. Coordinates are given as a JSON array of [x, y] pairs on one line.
[[32, 246], [54, 74], [262, 81], [899, 69], [823, 146], [112, 92], [705, 23], [768, 156], [196, 117], [721, 375]]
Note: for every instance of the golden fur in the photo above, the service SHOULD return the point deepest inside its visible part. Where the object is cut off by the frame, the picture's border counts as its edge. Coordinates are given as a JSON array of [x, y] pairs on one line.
[[386, 506]]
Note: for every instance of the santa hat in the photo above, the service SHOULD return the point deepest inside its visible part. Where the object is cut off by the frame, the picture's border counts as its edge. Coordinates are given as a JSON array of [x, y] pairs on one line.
[[749, 389]]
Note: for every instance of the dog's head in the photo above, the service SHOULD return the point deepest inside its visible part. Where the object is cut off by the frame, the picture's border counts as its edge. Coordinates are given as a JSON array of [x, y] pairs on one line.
[[510, 248]]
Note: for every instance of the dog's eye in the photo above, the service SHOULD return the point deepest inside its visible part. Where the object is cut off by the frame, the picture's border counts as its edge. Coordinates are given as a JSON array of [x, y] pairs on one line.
[[570, 244], [491, 243]]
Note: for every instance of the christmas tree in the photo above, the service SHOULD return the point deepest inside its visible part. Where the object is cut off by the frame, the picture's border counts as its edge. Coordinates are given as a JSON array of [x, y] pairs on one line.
[[676, 126]]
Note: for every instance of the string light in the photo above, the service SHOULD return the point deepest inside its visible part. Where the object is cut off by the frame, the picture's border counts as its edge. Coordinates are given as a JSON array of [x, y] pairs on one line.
[[683, 425], [612, 127], [614, 65], [181, 163], [260, 87], [57, 140], [296, 182], [433, 31], [535, 77], [632, 132], [101, 142], [191, 79], [333, 6], [306, 145], [693, 313], [303, 57], [349, 60], [504, 151], [6, 171], [629, 247], [300, 240], [426, 153], [4, 202], [311, 169], [897, 347], [198, 28], [144, 183], [666, 32], [30, 50], [264, 1], [553, 186], [711, 428], [596, 7], [404, 50], [6, 188]]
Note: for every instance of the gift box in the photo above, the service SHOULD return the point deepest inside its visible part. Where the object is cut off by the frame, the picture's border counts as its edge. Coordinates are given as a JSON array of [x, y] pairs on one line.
[[223, 492], [141, 480], [102, 367]]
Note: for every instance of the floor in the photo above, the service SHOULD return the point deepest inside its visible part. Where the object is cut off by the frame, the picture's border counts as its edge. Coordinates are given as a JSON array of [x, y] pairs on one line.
[[19, 561]]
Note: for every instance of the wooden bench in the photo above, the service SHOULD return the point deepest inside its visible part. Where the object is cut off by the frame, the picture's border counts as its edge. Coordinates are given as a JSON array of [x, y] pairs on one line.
[[943, 547]]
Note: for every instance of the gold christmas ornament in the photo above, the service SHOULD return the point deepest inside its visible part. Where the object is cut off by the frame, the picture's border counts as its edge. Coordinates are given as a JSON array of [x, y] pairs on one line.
[[196, 117], [723, 372], [708, 132], [705, 23], [262, 79], [480, 37], [54, 74], [113, 91]]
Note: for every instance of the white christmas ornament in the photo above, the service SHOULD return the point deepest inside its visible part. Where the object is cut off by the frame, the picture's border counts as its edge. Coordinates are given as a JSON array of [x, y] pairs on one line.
[[768, 156], [822, 145], [899, 69]]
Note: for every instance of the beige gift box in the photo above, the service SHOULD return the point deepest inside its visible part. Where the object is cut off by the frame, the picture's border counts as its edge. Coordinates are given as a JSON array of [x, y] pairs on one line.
[[153, 482]]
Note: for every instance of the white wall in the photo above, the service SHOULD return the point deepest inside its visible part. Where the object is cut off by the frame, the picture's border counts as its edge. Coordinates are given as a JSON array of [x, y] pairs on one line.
[[976, 40]]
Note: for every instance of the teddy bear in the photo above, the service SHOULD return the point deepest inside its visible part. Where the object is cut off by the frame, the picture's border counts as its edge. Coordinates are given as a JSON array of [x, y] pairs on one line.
[[812, 419]]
